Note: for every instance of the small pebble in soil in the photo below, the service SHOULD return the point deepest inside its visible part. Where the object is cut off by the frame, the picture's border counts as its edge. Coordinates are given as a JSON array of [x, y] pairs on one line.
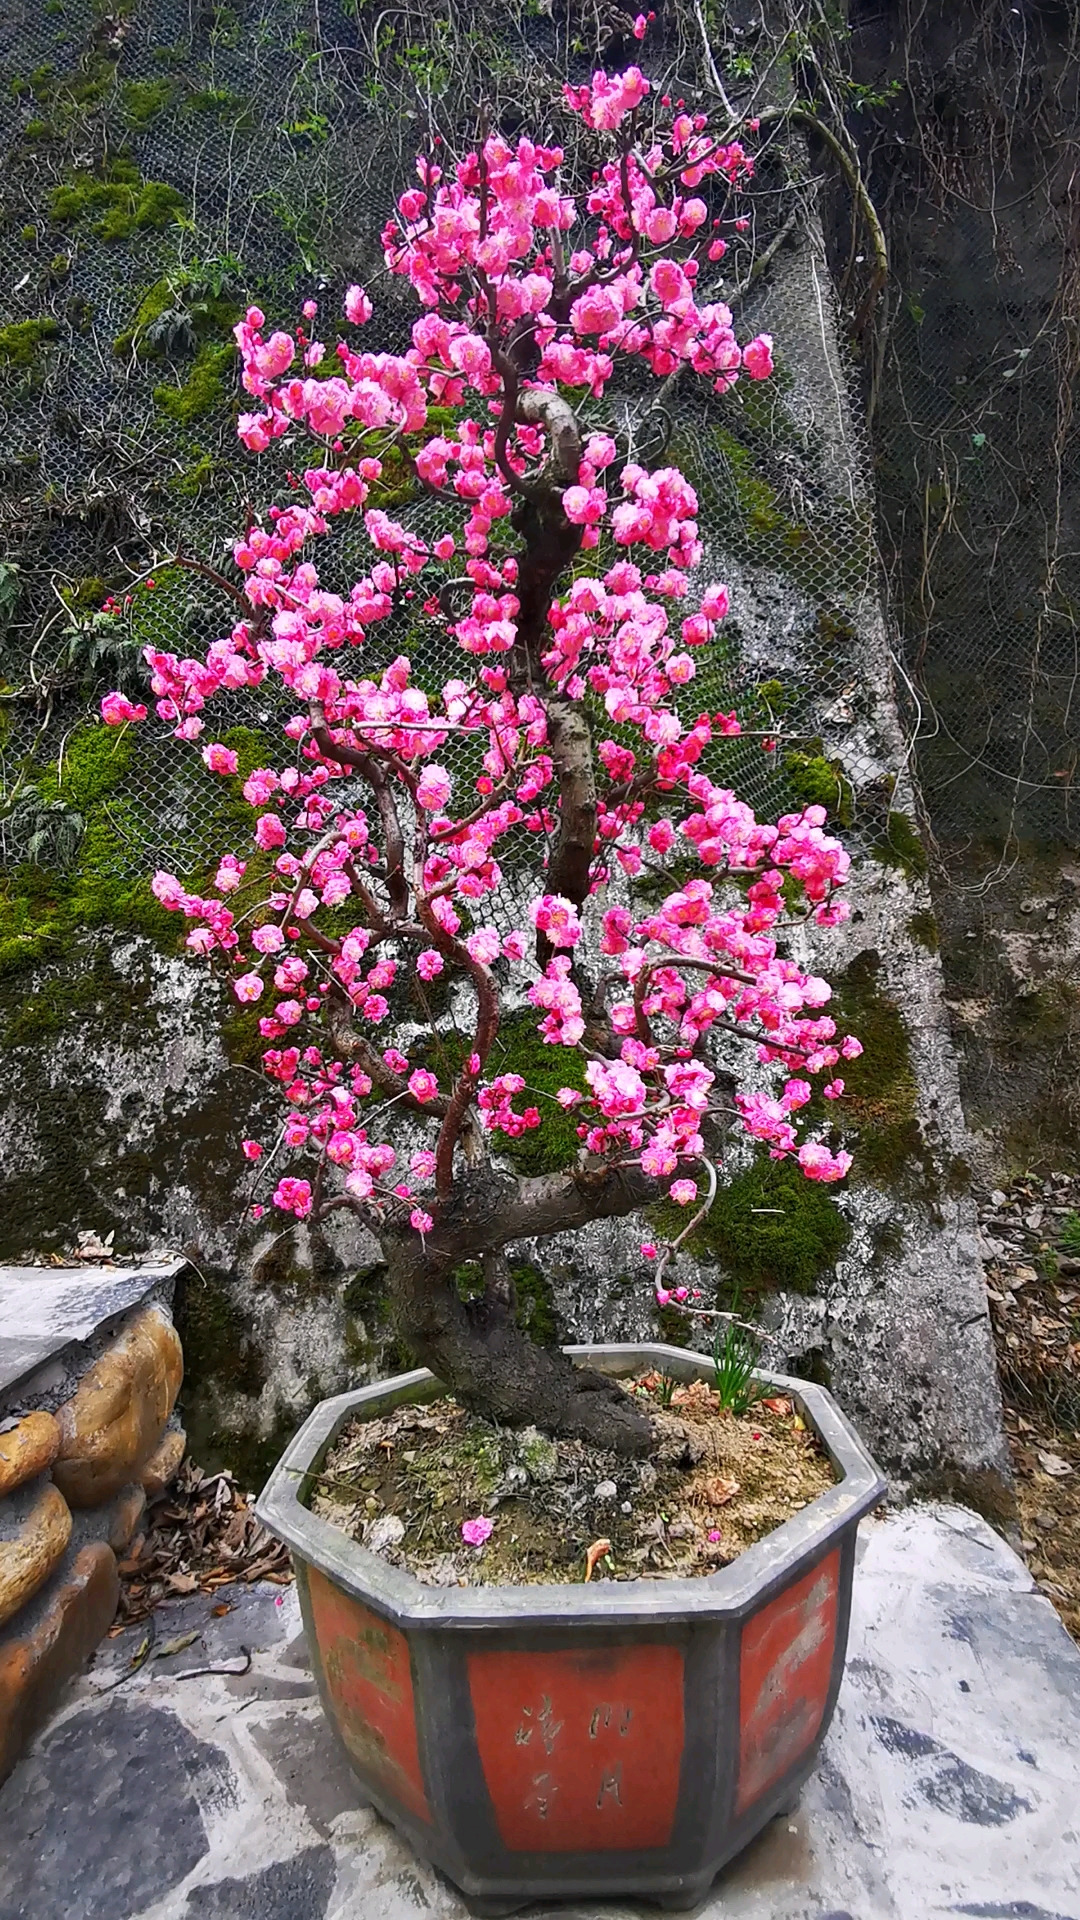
[[606, 1490]]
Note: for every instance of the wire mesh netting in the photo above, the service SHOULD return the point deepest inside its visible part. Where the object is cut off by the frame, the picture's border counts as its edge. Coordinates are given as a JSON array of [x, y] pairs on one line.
[[164, 164], [978, 471]]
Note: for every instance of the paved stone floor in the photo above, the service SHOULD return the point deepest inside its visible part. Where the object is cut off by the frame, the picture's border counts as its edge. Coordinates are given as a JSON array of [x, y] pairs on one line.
[[949, 1784]]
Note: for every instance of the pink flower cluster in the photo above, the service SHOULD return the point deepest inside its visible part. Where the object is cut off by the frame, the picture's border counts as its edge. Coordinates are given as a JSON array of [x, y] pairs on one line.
[[334, 904]]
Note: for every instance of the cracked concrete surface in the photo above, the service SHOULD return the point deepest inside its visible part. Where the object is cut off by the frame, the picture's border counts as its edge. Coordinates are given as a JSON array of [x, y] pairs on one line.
[[949, 1783]]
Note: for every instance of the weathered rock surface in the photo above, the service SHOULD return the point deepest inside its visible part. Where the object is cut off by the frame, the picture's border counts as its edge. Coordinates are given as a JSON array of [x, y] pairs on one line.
[[27, 1449], [34, 1549], [164, 1463], [38, 1656], [127, 1512], [114, 1421]]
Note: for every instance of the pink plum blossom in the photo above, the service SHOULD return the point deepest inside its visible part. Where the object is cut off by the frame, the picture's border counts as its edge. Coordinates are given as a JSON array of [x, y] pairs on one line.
[[423, 1085], [757, 357], [116, 710], [413, 831], [433, 789], [220, 759], [476, 1532], [358, 307]]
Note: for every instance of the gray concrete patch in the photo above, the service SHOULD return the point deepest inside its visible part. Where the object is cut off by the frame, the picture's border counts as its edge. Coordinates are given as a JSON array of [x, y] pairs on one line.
[[105, 1816], [307, 1759], [949, 1783], [296, 1889]]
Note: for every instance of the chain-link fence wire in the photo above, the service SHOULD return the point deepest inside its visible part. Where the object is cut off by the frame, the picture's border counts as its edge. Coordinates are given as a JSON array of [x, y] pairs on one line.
[[978, 477], [163, 165], [968, 144]]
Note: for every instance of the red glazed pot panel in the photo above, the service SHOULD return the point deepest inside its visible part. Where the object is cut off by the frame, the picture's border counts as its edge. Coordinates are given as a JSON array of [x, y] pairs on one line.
[[785, 1667], [369, 1679], [581, 1750]]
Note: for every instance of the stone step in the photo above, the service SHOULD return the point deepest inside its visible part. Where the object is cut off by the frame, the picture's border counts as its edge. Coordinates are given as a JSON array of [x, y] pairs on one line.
[[90, 1366]]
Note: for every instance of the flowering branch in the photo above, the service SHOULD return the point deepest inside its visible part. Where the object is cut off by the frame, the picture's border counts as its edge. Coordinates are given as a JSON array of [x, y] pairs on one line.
[[570, 580]]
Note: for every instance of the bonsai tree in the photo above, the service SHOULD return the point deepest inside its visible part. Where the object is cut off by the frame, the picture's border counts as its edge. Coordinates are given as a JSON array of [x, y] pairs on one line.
[[426, 860]]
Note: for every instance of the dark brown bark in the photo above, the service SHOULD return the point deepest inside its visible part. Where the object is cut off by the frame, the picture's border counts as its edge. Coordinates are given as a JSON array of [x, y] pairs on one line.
[[475, 1346], [550, 544], [572, 752], [478, 1350]]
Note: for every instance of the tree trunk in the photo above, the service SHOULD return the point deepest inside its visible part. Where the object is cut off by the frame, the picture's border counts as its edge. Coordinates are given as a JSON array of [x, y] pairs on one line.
[[478, 1350]]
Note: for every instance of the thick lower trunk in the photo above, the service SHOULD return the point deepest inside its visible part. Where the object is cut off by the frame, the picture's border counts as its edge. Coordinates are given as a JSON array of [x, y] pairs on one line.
[[477, 1348]]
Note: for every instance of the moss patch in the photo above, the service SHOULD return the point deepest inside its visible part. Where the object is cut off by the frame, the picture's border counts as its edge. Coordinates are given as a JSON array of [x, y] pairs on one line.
[[42, 911], [117, 201], [820, 782], [923, 928], [880, 1093], [769, 1228], [208, 317], [519, 1049], [144, 100], [899, 846], [203, 390], [21, 343]]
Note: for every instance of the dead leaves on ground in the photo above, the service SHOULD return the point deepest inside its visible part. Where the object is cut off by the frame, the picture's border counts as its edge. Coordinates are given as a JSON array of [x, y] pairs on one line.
[[202, 1536]]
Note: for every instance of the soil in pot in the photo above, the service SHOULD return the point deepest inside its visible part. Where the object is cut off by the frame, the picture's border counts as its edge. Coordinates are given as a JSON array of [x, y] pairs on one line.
[[406, 1484]]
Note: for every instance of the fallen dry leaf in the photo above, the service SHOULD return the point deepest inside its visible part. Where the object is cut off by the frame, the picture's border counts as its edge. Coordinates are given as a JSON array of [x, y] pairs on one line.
[[178, 1644], [1054, 1464], [779, 1406], [719, 1491], [594, 1553]]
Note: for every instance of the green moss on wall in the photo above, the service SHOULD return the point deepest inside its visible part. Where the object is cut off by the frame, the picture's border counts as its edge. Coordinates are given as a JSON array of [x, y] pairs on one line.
[[117, 201], [923, 927], [195, 479], [221, 103], [821, 782], [22, 342], [519, 1049], [203, 390], [880, 1092], [899, 846], [43, 911], [210, 318], [769, 1228], [144, 100]]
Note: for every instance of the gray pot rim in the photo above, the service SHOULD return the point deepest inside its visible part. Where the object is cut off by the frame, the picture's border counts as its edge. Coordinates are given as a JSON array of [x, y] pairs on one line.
[[412, 1605]]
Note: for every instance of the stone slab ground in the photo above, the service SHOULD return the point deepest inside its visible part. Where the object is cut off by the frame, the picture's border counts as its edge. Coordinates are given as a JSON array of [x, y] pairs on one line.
[[949, 1784]]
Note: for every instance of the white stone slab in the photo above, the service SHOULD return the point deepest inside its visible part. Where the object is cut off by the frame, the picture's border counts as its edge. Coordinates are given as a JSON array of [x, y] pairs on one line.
[[43, 1310], [948, 1786]]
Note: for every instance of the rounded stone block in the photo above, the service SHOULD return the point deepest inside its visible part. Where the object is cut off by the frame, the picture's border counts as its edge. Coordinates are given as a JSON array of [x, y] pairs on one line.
[[27, 1449], [29, 1556], [164, 1464], [36, 1662], [114, 1420], [126, 1517]]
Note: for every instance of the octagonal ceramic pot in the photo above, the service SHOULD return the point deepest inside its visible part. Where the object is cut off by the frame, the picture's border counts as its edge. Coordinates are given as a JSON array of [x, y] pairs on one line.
[[552, 1742]]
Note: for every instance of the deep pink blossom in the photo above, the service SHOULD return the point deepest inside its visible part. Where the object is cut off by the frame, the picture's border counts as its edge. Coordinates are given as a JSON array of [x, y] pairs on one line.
[[369, 872], [116, 710]]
